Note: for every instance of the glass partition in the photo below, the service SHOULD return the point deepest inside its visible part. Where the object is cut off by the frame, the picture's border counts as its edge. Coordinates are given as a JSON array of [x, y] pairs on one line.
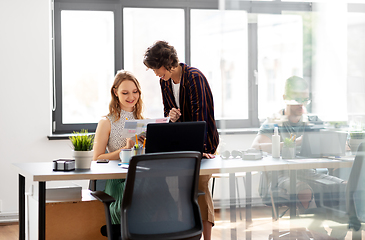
[[306, 63], [219, 50], [280, 56]]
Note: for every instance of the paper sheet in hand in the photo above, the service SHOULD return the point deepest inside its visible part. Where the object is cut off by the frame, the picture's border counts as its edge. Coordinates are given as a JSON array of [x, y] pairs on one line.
[[139, 126]]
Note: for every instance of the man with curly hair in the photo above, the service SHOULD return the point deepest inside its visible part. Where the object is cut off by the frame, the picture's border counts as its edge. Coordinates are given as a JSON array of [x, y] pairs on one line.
[[187, 97]]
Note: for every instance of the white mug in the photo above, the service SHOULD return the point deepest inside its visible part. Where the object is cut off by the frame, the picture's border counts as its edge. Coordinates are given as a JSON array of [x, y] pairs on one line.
[[125, 155]]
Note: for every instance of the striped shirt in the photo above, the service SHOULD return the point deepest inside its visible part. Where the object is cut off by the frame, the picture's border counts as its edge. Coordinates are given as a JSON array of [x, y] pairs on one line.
[[196, 103]]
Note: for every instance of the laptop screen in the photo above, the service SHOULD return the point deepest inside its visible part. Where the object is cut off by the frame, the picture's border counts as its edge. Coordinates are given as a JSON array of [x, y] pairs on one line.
[[179, 136], [323, 143]]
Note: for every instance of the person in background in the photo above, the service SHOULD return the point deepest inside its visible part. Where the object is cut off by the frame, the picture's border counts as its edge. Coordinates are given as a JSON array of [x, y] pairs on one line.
[[187, 97], [126, 103], [293, 121]]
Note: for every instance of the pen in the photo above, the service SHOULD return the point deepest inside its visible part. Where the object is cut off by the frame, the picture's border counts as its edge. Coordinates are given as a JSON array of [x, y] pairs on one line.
[[144, 142], [136, 140], [126, 118]]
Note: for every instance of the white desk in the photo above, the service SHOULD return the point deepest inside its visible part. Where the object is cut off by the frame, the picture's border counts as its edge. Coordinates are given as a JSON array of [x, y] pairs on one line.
[[43, 172], [233, 166]]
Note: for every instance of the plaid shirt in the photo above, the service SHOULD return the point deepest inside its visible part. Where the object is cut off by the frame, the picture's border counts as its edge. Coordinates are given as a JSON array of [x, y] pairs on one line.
[[196, 103]]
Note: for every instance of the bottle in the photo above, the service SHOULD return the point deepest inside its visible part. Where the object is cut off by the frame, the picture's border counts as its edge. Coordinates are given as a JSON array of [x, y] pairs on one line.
[[275, 151]]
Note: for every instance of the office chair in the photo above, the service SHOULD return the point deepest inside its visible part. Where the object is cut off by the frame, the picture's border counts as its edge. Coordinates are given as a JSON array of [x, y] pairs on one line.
[[267, 195], [355, 191], [160, 198]]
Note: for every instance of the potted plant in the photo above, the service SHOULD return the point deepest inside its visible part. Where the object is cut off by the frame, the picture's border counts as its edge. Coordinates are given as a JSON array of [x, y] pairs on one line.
[[355, 138], [288, 151], [82, 143]]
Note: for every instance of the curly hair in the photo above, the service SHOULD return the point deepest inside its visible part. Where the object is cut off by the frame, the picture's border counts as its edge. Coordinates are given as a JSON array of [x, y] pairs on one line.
[[114, 105], [161, 54]]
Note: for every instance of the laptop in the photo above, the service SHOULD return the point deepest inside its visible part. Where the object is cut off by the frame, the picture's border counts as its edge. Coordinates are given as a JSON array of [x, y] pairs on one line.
[[179, 136], [323, 144]]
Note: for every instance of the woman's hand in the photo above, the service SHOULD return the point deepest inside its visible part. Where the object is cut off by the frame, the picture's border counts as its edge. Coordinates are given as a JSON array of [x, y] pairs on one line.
[[174, 114], [130, 143]]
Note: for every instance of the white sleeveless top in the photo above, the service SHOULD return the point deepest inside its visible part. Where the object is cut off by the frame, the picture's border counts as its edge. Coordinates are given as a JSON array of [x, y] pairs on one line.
[[116, 140]]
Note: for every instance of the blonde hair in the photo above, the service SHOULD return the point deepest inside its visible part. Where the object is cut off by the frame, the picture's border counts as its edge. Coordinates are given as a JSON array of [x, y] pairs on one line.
[[114, 105]]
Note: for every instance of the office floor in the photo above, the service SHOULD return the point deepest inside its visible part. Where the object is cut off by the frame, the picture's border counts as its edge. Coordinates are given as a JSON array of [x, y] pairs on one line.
[[262, 227]]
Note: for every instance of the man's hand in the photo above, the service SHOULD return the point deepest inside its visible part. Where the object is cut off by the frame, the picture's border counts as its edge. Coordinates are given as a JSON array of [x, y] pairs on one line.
[[141, 138], [174, 114], [298, 141], [208, 155]]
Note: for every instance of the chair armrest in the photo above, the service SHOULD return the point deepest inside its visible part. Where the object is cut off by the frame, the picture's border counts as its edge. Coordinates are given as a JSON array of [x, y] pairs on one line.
[[106, 200], [354, 223], [103, 197], [200, 193]]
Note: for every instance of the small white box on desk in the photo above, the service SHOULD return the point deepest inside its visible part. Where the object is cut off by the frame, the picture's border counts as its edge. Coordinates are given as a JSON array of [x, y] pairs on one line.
[[252, 156]]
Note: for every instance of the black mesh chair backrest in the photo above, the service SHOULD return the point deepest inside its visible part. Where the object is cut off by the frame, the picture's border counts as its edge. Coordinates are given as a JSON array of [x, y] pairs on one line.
[[355, 191], [160, 197]]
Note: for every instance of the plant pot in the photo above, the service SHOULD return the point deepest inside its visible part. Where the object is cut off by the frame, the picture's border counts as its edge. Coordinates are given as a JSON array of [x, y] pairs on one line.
[[288, 152], [83, 159], [138, 151], [354, 144]]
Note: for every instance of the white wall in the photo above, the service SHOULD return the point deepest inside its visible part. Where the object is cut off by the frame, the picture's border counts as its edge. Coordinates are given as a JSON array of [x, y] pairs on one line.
[[26, 99], [25, 93]]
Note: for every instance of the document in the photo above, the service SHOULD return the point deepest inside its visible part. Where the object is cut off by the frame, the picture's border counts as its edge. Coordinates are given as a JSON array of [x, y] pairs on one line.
[[139, 126]]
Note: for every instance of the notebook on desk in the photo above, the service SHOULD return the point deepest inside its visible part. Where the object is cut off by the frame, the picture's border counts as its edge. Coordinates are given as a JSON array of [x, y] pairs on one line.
[[323, 144], [179, 136]]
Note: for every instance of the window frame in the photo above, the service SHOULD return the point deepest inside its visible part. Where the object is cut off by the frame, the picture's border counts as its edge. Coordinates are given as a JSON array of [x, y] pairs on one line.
[[274, 7], [57, 126]]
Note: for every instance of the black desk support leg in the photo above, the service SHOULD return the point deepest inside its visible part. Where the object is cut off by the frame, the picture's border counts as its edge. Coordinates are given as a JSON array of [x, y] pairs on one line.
[[92, 185], [21, 207], [42, 211]]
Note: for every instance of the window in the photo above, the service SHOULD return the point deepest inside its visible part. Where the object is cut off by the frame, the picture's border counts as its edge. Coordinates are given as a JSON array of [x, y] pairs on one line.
[[87, 71], [280, 56], [138, 36], [356, 62], [95, 38], [246, 53], [219, 50], [86, 43]]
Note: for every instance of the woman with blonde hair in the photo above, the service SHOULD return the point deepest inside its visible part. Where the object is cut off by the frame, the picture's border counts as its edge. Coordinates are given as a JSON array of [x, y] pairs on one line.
[[126, 103]]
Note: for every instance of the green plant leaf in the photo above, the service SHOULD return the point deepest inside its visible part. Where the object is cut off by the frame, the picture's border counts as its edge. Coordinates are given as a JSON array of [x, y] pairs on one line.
[[82, 141], [289, 142], [357, 135]]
